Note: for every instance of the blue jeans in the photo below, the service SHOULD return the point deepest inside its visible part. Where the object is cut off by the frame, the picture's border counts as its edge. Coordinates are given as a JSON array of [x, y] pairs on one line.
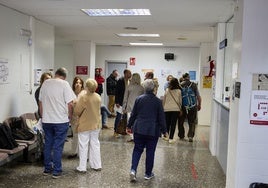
[[117, 119], [104, 114], [141, 142], [55, 134]]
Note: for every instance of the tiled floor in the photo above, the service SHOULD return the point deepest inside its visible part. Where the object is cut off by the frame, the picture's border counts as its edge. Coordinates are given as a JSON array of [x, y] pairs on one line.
[[179, 165]]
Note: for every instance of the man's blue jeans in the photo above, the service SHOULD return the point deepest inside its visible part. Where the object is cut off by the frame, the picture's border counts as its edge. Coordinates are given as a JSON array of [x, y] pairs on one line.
[[104, 114], [141, 142], [55, 134], [117, 119]]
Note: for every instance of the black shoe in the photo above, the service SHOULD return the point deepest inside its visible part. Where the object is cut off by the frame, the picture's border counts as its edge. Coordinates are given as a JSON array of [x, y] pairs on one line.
[[72, 156]]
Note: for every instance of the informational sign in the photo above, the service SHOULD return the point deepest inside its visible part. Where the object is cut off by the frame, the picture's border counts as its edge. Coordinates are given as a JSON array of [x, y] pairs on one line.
[[260, 82], [192, 75], [259, 107], [82, 70], [4, 71], [207, 81], [132, 61]]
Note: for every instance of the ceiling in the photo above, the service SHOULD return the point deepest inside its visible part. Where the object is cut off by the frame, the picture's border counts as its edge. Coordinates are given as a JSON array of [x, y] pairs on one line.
[[190, 20]]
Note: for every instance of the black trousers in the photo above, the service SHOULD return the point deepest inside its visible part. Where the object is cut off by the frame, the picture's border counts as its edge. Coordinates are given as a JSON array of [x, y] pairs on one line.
[[171, 120], [191, 116]]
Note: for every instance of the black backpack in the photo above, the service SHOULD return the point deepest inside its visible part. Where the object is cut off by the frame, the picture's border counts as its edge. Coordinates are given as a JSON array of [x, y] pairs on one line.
[[19, 131], [7, 141]]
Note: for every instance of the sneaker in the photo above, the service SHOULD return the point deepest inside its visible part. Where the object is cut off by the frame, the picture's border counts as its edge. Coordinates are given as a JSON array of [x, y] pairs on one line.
[[105, 127], [165, 138], [46, 173], [80, 171], [116, 135], [56, 176], [148, 177], [96, 169], [130, 140], [133, 176], [190, 139], [171, 141]]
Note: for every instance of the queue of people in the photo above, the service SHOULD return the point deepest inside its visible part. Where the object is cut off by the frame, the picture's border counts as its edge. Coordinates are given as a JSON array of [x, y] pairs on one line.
[[149, 118]]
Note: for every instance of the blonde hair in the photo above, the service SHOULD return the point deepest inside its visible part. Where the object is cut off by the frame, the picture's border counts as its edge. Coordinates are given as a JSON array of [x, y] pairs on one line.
[[91, 85], [136, 79]]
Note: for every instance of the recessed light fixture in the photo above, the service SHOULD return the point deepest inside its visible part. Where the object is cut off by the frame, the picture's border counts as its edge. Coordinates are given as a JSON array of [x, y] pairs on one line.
[[117, 12], [136, 35], [145, 44], [131, 28], [182, 38]]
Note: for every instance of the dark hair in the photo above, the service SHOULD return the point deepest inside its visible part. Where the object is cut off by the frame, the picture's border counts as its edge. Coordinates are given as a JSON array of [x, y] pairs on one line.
[[126, 71], [75, 80], [61, 72], [174, 84], [43, 76], [186, 75], [150, 75]]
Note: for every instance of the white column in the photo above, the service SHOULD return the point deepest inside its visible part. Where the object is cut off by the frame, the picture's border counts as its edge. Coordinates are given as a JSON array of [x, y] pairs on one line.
[[247, 146], [84, 55]]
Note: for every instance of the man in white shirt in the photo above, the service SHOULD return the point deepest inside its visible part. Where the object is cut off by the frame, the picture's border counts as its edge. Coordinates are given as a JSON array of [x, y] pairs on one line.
[[55, 101]]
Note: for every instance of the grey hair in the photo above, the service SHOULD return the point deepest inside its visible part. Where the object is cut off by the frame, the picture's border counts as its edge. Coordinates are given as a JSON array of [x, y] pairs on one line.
[[148, 85], [61, 72]]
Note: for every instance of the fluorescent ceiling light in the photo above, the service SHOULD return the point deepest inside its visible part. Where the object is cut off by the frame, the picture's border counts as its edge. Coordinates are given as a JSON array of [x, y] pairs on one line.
[[117, 12], [145, 44], [136, 35]]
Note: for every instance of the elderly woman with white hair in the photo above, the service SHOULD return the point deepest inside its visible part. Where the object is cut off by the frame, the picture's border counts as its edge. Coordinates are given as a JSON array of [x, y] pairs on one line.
[[88, 109], [147, 122]]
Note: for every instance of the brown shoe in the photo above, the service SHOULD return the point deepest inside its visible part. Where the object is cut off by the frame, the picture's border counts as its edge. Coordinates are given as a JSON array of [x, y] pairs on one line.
[[130, 140], [105, 127], [116, 135]]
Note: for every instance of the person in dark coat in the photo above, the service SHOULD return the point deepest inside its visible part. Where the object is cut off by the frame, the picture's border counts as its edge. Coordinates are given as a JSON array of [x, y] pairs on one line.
[[147, 122], [111, 82], [119, 97]]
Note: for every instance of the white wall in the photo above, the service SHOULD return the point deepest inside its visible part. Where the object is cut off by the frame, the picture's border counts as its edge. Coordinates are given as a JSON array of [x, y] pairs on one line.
[[248, 154], [186, 59], [64, 57], [17, 92]]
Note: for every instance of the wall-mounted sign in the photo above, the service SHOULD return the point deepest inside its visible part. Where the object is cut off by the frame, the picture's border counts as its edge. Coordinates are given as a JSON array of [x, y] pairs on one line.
[[82, 70], [259, 107], [223, 44], [132, 61], [207, 81]]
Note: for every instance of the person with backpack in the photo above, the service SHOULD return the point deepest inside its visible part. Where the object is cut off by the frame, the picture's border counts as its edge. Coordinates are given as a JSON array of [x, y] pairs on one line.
[[191, 104]]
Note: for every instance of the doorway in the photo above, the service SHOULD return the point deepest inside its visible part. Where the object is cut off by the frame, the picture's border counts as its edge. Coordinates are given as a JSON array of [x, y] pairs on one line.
[[120, 66]]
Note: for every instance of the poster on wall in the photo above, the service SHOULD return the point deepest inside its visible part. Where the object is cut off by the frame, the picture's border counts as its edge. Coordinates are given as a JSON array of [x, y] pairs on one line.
[[38, 73], [259, 107], [4, 71], [207, 81], [132, 61], [81, 70], [192, 75], [260, 82]]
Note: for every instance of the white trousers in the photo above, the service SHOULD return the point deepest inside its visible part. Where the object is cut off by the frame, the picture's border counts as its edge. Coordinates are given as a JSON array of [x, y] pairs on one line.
[[89, 144], [74, 146]]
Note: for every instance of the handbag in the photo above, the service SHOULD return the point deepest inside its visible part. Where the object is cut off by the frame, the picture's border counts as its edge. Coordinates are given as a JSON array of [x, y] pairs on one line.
[[122, 125]]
